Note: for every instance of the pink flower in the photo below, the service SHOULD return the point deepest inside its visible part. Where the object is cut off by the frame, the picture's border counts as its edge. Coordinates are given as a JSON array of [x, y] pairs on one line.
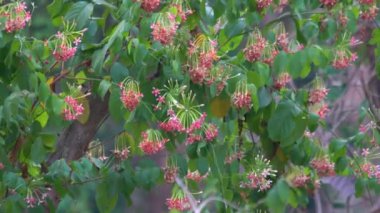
[[261, 4], [242, 100], [64, 53], [150, 5], [130, 98], [254, 51], [343, 19], [17, 16], [164, 29], [369, 14], [318, 95], [73, 109], [283, 41], [365, 152], [329, 3], [196, 176], [323, 111], [211, 132], [192, 138], [170, 173], [160, 99], [152, 142], [282, 80], [207, 58], [198, 74], [172, 125], [155, 92], [197, 124], [121, 154], [323, 167], [177, 203], [300, 180], [269, 59], [368, 2], [31, 201]]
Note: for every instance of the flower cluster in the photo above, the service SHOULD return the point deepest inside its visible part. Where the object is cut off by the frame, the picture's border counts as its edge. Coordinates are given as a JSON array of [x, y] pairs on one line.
[[282, 80], [236, 156], [317, 95], [170, 173], [66, 42], [173, 124], [343, 59], [178, 203], [370, 170], [262, 4], [130, 94], [36, 197], [369, 2], [363, 128], [165, 28], [255, 46], [241, 98], [259, 177], [202, 54], [369, 13], [196, 176], [329, 3], [342, 19], [183, 116], [150, 5], [323, 110], [300, 180], [323, 166], [121, 154], [283, 42], [183, 10], [73, 109], [152, 142], [16, 15]]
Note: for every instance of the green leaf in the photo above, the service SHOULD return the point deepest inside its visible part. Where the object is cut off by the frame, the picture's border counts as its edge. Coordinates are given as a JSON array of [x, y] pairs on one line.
[[55, 8], [103, 88], [118, 72], [43, 118], [280, 63], [260, 76], [80, 12], [235, 27], [255, 100], [104, 3], [147, 173], [310, 30], [265, 97], [274, 202], [98, 56], [81, 77], [202, 165], [282, 125], [106, 194], [59, 169], [55, 104], [115, 105]]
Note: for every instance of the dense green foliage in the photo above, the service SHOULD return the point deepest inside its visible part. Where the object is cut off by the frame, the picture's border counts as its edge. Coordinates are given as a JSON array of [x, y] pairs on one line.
[[230, 92]]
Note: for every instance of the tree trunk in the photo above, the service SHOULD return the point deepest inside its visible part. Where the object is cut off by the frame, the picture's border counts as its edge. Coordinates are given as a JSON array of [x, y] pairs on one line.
[[73, 142]]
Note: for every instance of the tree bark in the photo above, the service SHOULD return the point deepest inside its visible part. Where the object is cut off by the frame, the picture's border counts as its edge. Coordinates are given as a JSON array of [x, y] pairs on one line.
[[73, 142]]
